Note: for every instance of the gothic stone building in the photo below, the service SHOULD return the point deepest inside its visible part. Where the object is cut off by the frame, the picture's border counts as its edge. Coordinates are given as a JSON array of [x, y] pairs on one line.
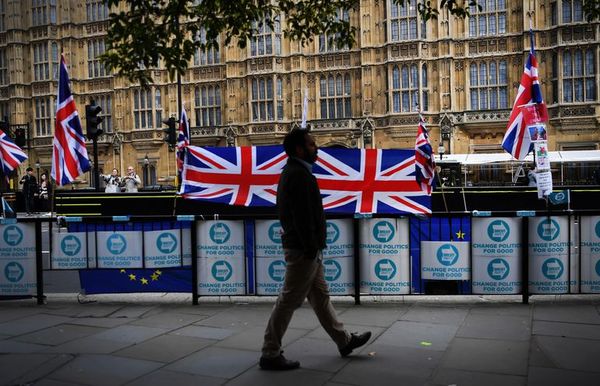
[[462, 73]]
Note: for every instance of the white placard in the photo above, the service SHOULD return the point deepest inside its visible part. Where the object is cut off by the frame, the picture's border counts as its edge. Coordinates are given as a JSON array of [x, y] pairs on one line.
[[497, 255], [590, 254], [338, 257], [270, 260], [548, 255], [445, 260], [384, 256], [162, 249], [221, 262], [122, 249], [69, 250], [17, 259], [544, 183]]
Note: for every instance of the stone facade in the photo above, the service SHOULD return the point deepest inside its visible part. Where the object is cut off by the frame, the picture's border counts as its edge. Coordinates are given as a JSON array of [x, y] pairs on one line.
[[463, 74]]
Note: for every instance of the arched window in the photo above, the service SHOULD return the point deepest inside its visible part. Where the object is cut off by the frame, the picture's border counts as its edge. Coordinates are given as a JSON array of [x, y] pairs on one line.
[[327, 42], [207, 106], [488, 83], [406, 87], [403, 22], [262, 99], [490, 20], [335, 96], [579, 72], [267, 40]]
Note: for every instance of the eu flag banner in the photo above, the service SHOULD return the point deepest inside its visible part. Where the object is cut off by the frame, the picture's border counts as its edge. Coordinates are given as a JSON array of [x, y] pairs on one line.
[[351, 180], [102, 281]]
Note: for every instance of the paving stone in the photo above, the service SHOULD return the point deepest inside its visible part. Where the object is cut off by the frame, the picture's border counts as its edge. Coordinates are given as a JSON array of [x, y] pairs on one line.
[[216, 362], [52, 382], [165, 348], [539, 376], [537, 357], [486, 355], [133, 312], [43, 369], [252, 338], [495, 327], [299, 377], [15, 366], [100, 322], [103, 370], [372, 315], [99, 310], [517, 309], [471, 378], [130, 334], [8, 313], [576, 313], [571, 353], [13, 346], [31, 323], [428, 336], [436, 314], [88, 345], [172, 320], [390, 365], [319, 354], [204, 332], [569, 330], [166, 377], [60, 334], [238, 318]]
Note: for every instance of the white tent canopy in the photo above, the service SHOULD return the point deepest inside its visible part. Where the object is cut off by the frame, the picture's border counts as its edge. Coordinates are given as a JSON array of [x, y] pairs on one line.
[[555, 156]]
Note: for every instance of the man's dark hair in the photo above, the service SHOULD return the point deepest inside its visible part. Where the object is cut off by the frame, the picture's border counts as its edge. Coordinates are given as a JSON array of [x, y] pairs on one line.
[[29, 169], [296, 137]]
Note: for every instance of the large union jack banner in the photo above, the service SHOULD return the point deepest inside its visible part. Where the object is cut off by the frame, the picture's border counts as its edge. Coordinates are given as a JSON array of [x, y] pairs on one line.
[[351, 180]]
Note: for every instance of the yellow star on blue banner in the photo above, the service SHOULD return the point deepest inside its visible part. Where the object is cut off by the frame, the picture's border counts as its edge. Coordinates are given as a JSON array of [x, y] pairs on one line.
[[460, 235]]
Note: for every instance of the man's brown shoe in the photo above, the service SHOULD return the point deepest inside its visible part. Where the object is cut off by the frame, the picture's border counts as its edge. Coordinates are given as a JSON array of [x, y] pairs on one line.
[[278, 363], [356, 340]]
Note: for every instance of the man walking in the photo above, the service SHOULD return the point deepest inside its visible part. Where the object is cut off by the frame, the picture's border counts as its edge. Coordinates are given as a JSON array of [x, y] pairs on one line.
[[302, 218], [29, 190]]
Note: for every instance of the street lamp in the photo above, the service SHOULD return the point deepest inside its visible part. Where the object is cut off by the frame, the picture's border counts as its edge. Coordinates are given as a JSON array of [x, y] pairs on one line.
[[441, 151], [37, 168]]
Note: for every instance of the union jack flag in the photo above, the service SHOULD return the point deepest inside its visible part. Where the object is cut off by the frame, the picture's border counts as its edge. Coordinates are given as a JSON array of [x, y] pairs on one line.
[[424, 159], [69, 154], [11, 155], [351, 180], [517, 139], [183, 138]]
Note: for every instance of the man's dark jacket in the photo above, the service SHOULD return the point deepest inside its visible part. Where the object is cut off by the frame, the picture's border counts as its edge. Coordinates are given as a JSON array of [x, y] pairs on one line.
[[300, 209]]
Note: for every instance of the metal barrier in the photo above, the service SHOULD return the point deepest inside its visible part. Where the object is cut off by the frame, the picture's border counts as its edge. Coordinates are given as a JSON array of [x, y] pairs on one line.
[[465, 253]]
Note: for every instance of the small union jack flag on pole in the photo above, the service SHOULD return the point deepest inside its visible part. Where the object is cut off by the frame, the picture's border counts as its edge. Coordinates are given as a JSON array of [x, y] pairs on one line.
[[183, 139], [69, 154], [424, 158], [517, 139], [11, 155]]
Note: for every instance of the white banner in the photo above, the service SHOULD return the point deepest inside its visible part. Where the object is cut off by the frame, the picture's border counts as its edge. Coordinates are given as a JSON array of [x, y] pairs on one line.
[[544, 183], [221, 262], [121, 249], [17, 259], [384, 256], [445, 260], [270, 260], [69, 250], [162, 248], [548, 255], [338, 260], [590, 254], [497, 255]]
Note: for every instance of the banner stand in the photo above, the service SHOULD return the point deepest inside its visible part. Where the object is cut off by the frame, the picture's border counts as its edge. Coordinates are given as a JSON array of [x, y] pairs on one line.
[[194, 241], [39, 265], [525, 261], [356, 232]]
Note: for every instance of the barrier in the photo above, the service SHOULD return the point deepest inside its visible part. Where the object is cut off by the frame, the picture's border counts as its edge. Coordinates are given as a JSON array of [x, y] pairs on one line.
[[500, 253]]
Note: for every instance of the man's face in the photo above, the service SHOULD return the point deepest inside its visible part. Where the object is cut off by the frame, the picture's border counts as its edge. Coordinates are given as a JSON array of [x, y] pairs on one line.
[[130, 170], [308, 152], [30, 172]]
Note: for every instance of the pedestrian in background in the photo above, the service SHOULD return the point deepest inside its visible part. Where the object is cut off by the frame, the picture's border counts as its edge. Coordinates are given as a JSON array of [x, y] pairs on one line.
[[30, 189], [302, 218], [112, 182], [131, 180], [44, 193]]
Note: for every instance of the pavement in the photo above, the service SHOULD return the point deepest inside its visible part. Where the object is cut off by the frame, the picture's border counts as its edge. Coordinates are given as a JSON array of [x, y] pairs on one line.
[[161, 339]]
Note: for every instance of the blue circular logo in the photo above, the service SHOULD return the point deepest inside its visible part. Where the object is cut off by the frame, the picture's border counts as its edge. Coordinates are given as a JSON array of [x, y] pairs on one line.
[[332, 269], [548, 229], [275, 232], [219, 233], [498, 269], [14, 272], [333, 232], [384, 231], [385, 269], [70, 245], [116, 244], [447, 254], [598, 229], [221, 270], [13, 235], [598, 267], [277, 270], [553, 268], [498, 230], [166, 242]]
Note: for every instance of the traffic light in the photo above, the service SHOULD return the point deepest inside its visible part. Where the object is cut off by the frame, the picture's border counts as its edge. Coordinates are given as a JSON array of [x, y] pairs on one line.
[[93, 120], [170, 131]]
